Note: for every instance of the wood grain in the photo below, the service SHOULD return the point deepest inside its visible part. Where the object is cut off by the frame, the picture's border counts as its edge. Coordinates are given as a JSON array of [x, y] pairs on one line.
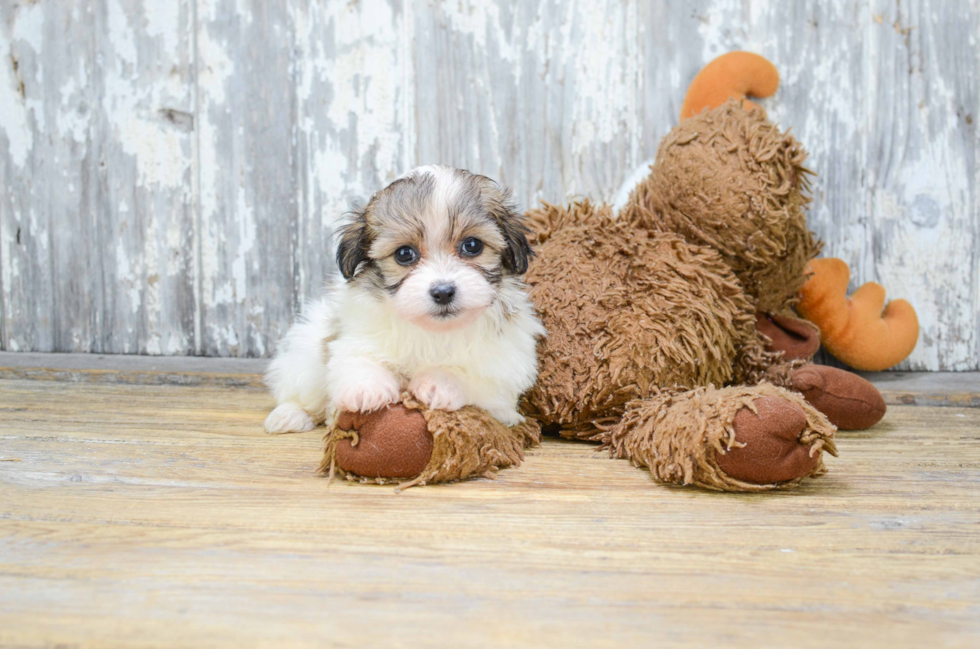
[[172, 171], [959, 389], [163, 516]]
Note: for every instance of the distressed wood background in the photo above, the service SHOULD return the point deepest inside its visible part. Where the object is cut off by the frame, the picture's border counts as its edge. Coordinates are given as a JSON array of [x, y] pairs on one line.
[[170, 169]]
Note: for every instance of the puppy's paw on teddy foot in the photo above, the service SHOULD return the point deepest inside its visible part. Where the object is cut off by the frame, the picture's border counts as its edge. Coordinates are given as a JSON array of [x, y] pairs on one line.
[[507, 417], [367, 395], [288, 418], [391, 443], [438, 390], [771, 450]]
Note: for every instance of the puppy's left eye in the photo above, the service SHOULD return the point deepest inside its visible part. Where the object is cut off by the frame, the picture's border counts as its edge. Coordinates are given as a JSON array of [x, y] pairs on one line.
[[471, 247]]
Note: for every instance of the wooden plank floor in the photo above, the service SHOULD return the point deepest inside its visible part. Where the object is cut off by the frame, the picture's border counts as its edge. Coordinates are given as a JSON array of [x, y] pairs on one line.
[[161, 515]]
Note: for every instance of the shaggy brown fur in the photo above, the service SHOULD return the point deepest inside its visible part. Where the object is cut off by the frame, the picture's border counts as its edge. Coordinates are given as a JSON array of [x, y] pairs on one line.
[[678, 434], [730, 179], [468, 442], [628, 313]]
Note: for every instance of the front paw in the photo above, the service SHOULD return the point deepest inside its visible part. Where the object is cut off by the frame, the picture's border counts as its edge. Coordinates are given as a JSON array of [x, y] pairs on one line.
[[507, 416], [438, 390], [288, 418], [367, 393]]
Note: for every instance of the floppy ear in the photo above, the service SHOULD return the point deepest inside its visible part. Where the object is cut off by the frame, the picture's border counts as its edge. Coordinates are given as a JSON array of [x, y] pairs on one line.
[[511, 223], [519, 251], [354, 244]]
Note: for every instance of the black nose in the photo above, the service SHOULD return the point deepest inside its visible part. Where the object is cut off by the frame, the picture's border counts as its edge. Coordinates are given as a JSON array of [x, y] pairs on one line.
[[442, 293]]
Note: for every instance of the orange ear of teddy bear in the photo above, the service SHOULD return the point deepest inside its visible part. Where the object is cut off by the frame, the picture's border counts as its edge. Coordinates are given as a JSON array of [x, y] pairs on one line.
[[861, 330], [730, 76]]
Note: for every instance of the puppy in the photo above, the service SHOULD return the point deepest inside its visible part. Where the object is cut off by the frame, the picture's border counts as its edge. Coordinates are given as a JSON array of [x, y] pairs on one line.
[[431, 302]]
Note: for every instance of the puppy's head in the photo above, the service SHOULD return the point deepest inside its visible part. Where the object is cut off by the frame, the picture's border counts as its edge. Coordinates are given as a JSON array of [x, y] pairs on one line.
[[437, 243]]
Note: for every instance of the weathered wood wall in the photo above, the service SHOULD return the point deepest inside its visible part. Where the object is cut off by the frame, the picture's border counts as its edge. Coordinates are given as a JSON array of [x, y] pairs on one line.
[[170, 169]]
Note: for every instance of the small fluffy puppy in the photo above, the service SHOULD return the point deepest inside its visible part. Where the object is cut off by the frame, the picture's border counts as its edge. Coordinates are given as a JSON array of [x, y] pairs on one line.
[[432, 302]]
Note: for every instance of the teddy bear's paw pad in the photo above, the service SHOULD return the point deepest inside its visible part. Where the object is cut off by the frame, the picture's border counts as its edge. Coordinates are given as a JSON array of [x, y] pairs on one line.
[[772, 452], [848, 401], [393, 442], [795, 337]]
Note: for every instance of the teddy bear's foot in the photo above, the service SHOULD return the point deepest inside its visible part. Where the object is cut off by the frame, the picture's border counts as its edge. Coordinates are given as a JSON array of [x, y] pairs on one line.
[[393, 442], [795, 337], [849, 401], [740, 438], [767, 445], [412, 444]]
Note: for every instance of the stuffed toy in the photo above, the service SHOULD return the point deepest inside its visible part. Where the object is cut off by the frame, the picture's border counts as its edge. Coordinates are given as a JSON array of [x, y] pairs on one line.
[[861, 330], [671, 336]]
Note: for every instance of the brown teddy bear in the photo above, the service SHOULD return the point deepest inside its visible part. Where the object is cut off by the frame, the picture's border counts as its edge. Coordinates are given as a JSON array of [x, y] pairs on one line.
[[671, 338]]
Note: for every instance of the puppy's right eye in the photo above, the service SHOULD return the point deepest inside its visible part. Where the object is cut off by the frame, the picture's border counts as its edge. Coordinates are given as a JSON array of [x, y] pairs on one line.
[[406, 255]]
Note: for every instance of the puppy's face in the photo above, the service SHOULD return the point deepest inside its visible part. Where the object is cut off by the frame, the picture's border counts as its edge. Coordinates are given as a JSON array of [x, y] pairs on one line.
[[436, 243]]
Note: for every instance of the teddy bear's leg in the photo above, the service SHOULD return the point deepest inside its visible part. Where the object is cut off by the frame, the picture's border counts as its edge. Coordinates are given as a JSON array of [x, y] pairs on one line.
[[412, 444], [742, 438], [779, 354], [849, 401]]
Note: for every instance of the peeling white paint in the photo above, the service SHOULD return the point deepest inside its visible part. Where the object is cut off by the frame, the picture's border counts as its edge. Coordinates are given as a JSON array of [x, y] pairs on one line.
[[132, 107], [929, 230], [227, 334], [215, 71], [161, 19], [604, 100], [215, 68], [13, 111], [29, 26], [125, 271], [480, 20], [158, 151], [246, 242], [71, 123], [121, 34], [361, 75], [557, 98], [330, 164]]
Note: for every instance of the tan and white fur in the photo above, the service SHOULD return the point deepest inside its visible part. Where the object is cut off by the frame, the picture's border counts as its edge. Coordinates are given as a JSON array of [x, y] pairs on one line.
[[417, 309]]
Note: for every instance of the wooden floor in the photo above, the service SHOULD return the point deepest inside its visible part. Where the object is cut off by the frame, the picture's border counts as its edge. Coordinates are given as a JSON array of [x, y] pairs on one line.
[[161, 515]]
